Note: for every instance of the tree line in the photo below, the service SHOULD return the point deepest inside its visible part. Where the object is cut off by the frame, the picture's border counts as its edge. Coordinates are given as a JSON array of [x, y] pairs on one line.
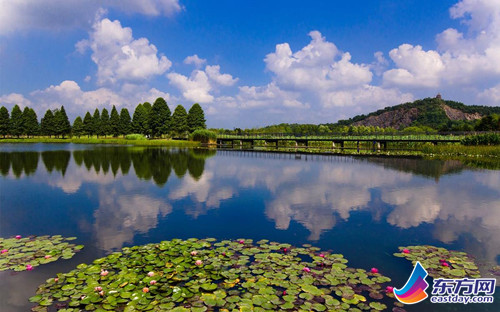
[[151, 120]]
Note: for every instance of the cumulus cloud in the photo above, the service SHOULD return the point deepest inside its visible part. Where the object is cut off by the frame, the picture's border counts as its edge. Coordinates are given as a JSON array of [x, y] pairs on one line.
[[119, 57], [77, 101], [468, 59], [195, 60], [200, 85], [69, 14]]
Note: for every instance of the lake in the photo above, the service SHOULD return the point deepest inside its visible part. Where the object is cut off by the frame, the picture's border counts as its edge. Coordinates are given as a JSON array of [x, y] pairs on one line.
[[363, 207]]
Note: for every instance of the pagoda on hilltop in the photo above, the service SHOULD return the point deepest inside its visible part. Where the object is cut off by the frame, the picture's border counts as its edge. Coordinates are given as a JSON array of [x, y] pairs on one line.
[[438, 96]]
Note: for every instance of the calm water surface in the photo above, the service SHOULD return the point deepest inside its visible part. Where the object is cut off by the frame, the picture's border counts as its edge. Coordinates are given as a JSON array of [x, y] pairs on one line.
[[111, 197]]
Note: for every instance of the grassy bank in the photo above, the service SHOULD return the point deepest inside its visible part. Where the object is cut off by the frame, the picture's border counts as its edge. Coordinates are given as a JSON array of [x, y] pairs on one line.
[[95, 140]]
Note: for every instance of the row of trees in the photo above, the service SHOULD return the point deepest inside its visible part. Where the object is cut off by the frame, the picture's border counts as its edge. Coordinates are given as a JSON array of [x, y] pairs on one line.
[[154, 120]]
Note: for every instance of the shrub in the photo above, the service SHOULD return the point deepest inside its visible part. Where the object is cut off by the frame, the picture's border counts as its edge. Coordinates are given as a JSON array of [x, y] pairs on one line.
[[482, 139], [135, 136], [203, 136]]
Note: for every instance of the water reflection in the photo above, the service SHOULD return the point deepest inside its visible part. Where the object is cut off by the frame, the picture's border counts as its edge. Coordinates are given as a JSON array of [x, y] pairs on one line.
[[317, 192]]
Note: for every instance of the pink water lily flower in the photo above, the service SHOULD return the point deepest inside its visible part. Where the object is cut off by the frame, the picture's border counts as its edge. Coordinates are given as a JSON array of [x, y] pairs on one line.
[[29, 267], [98, 288], [374, 270], [322, 255], [445, 264], [194, 253], [151, 274], [406, 251], [241, 241], [284, 292], [104, 272], [4, 251], [18, 236], [48, 256], [306, 269], [285, 250], [56, 279], [101, 293], [198, 262], [389, 289], [145, 290], [152, 282]]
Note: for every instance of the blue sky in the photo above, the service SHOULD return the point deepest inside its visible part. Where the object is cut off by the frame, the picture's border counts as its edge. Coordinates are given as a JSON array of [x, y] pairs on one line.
[[248, 63]]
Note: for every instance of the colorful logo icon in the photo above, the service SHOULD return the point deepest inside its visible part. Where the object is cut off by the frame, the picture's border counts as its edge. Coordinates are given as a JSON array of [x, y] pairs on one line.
[[414, 289]]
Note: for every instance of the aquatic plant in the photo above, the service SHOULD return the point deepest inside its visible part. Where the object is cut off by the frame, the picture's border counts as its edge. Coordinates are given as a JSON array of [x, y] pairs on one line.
[[23, 254], [440, 262], [206, 275]]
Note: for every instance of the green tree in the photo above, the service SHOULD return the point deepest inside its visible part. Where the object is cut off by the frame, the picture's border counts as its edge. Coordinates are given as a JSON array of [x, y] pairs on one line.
[[30, 122], [140, 120], [179, 120], [196, 118], [114, 122], [104, 127], [88, 125], [4, 121], [159, 118], [96, 122], [47, 124], [78, 129], [125, 122], [16, 121], [61, 122]]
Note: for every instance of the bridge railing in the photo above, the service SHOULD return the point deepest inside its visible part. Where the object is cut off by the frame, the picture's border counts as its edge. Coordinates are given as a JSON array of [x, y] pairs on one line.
[[362, 136]]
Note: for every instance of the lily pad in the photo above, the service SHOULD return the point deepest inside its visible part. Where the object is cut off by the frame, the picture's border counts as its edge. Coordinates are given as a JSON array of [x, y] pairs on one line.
[[440, 262], [205, 275], [21, 254]]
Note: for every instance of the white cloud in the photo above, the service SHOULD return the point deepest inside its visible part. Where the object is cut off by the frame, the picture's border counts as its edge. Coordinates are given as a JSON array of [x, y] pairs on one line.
[[463, 62], [120, 57], [12, 99], [198, 87], [195, 88], [195, 60], [416, 68], [69, 14], [214, 74], [491, 95], [77, 101]]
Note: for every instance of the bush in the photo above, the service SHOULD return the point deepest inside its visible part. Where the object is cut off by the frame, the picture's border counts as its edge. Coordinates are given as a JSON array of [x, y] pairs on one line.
[[135, 136], [482, 139], [203, 136]]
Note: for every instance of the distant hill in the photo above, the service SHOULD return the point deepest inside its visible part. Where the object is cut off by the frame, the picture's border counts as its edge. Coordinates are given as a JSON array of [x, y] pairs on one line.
[[429, 112]]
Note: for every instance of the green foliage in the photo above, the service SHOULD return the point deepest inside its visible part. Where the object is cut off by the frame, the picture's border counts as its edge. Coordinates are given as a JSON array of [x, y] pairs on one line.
[[104, 126], [25, 253], [30, 122], [206, 275], [196, 118], [114, 122], [16, 121], [140, 123], [125, 122], [159, 118], [482, 139], [203, 136], [135, 136], [78, 128], [421, 129], [179, 120], [488, 123], [4, 121], [47, 124], [88, 124]]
